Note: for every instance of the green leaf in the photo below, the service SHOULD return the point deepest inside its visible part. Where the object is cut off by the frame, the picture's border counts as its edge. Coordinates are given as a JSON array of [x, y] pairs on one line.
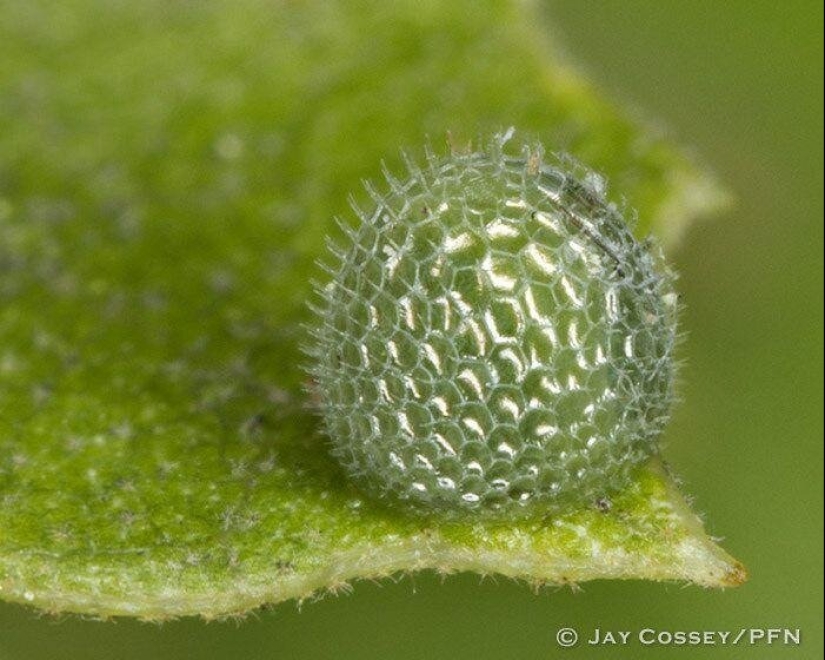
[[168, 173]]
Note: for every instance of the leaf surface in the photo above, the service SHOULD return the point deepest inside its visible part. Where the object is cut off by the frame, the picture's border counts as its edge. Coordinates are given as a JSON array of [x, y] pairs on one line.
[[168, 174]]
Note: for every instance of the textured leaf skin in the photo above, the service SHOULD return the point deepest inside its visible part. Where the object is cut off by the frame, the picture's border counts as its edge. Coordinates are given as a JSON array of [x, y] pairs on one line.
[[494, 341], [164, 193]]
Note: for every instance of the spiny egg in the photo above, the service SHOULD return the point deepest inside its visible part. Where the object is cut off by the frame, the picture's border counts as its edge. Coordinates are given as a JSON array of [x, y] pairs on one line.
[[493, 341]]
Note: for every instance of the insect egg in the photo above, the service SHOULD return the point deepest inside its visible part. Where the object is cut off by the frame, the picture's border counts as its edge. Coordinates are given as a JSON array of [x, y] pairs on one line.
[[493, 340]]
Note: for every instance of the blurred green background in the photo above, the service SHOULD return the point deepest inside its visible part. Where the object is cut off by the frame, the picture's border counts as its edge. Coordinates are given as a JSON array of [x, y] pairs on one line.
[[742, 83]]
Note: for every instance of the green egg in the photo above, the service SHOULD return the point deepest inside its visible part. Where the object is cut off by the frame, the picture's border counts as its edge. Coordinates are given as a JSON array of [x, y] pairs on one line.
[[493, 341]]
